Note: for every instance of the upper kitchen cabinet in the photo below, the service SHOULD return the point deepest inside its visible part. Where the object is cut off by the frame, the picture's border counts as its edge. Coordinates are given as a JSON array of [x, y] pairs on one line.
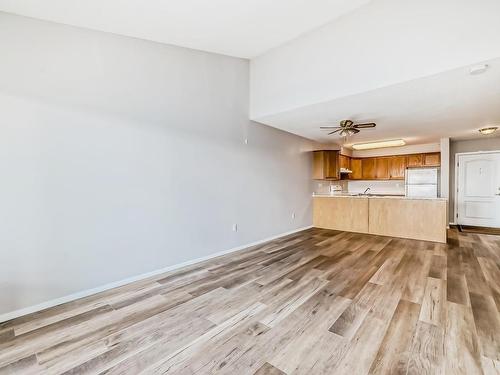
[[397, 167], [357, 170], [416, 160], [326, 165], [382, 168], [432, 160], [345, 162], [368, 166]]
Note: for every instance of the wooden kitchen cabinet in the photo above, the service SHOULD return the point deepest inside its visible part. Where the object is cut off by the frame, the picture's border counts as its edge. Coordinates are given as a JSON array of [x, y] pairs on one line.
[[345, 161], [415, 160], [350, 214], [382, 168], [397, 167], [357, 170], [419, 219], [326, 165], [432, 160], [368, 168]]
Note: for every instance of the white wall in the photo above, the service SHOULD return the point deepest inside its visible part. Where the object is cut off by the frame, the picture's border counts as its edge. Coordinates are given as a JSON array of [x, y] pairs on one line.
[[382, 43], [487, 143], [120, 156], [445, 168]]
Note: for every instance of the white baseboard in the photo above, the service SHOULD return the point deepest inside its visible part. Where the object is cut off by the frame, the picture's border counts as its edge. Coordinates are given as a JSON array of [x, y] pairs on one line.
[[85, 293]]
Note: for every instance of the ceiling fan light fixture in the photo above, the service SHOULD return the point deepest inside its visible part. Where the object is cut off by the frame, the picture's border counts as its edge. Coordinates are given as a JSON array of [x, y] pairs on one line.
[[489, 130], [347, 132], [379, 144]]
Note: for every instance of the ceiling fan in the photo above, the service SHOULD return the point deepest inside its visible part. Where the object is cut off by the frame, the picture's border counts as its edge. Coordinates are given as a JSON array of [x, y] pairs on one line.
[[348, 128]]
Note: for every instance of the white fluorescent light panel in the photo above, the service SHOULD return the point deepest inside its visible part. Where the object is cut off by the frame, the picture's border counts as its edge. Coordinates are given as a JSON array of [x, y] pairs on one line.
[[379, 144]]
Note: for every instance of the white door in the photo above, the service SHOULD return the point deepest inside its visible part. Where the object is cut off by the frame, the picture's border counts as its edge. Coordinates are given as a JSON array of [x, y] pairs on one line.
[[479, 190]]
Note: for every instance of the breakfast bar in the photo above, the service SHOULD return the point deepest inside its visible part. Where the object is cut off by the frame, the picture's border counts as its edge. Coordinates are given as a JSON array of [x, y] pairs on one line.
[[395, 216]]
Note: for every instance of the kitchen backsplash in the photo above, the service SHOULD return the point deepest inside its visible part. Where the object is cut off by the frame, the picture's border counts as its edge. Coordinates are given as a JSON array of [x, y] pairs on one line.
[[376, 187], [323, 187]]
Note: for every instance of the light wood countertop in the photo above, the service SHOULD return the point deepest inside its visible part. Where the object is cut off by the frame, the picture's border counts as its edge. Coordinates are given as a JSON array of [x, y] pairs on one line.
[[376, 196]]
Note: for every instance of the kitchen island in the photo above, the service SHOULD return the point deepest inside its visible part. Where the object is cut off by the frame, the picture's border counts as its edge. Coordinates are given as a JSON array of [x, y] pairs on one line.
[[395, 216]]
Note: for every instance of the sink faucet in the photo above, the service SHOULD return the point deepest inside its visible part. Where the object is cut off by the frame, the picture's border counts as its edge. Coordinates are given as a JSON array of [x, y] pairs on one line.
[[366, 190]]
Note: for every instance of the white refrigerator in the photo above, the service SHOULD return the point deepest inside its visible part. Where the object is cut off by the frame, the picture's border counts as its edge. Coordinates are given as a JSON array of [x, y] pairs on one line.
[[422, 182]]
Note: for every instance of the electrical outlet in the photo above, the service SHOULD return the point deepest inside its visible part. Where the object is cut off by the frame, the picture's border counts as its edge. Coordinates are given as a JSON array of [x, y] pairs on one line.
[[235, 227]]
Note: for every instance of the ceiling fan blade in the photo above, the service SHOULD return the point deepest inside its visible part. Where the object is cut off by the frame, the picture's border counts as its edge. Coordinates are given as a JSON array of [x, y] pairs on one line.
[[356, 131], [335, 131], [329, 127], [364, 126]]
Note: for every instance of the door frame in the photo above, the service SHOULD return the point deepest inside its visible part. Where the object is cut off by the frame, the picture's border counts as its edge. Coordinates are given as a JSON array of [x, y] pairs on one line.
[[455, 193]]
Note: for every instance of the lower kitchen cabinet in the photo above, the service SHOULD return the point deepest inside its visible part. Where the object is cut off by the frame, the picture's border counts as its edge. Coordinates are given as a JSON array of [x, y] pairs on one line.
[[419, 219], [348, 214]]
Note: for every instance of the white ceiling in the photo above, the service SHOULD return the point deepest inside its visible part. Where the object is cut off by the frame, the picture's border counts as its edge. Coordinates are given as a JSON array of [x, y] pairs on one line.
[[452, 104], [242, 28]]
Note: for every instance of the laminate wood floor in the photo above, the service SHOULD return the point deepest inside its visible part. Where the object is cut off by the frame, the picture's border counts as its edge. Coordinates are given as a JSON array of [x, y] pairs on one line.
[[315, 302]]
